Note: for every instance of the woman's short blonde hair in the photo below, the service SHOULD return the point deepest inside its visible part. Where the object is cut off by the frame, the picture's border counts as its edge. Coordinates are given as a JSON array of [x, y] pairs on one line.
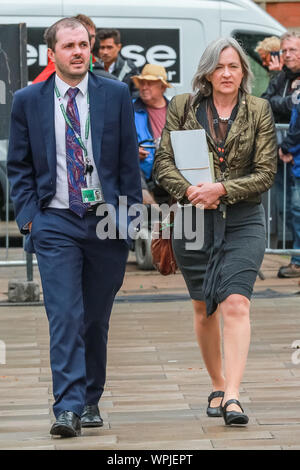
[[269, 44], [209, 61]]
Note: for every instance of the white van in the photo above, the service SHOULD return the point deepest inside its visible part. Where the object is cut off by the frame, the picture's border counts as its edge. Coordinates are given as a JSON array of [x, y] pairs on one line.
[[172, 33]]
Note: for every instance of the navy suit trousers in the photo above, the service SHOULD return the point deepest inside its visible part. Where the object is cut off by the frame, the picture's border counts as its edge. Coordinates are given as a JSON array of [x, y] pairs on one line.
[[81, 275]]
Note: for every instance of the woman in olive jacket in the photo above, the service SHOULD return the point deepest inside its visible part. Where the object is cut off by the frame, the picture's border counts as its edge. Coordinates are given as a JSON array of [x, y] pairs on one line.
[[220, 276]]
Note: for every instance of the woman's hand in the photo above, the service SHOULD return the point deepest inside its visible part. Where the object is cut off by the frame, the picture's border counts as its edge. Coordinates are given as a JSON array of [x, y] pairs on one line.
[[206, 194]]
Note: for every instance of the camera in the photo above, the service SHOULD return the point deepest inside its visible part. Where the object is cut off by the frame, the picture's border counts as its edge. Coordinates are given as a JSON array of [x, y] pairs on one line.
[[275, 54]]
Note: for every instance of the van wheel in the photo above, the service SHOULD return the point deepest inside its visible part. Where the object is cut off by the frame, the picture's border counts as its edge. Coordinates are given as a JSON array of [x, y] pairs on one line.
[[143, 250]]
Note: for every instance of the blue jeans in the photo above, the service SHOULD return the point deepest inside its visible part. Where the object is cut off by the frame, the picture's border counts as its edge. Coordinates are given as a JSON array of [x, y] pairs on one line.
[[295, 209]]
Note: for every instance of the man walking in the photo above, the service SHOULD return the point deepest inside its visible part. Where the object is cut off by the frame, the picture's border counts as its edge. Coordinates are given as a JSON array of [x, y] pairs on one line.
[[73, 139]]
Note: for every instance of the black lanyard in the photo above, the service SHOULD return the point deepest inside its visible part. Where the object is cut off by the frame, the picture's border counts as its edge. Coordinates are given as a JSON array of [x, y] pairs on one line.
[[220, 144]]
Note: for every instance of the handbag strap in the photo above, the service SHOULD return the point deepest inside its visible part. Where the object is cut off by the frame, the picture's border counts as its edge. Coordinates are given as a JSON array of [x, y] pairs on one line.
[[186, 109]]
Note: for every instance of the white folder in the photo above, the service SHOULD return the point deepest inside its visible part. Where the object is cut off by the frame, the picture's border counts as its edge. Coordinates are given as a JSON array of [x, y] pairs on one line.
[[192, 157]]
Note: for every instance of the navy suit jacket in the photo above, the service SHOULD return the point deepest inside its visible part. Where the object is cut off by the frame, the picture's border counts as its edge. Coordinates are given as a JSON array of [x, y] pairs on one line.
[[31, 161]]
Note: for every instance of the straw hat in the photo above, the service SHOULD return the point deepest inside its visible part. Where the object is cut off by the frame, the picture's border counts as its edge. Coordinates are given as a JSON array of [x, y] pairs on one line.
[[152, 72]]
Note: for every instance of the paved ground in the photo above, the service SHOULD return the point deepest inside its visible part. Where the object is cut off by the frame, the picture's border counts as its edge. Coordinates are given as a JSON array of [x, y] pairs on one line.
[[157, 387]]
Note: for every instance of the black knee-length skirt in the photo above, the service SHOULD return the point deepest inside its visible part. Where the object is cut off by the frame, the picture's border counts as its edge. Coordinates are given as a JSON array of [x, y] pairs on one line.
[[231, 253]]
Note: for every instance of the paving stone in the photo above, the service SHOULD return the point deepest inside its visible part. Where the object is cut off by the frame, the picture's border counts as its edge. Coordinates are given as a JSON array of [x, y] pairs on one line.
[[85, 441], [188, 444], [247, 445], [34, 414], [34, 447]]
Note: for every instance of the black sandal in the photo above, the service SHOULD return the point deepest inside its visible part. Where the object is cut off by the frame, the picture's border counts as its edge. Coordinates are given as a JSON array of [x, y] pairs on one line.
[[214, 411], [234, 417]]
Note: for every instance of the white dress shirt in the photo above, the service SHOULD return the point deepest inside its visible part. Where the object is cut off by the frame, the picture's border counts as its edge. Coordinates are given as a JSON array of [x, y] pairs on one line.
[[61, 198]]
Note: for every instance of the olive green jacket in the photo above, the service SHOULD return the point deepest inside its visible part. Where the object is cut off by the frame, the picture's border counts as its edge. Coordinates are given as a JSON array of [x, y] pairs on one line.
[[250, 149]]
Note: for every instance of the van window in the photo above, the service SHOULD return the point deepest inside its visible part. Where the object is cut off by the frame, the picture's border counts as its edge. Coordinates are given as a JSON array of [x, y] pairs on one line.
[[249, 42]]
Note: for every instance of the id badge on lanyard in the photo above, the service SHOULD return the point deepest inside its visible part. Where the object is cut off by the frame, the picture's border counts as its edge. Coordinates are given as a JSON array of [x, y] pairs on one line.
[[88, 194]]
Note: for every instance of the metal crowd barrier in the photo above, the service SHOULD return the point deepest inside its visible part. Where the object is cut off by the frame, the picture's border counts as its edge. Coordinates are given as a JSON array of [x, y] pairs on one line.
[[275, 234], [276, 223], [9, 233]]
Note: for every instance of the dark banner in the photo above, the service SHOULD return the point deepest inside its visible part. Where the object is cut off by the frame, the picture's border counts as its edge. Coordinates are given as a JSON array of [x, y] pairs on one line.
[[155, 46], [13, 69]]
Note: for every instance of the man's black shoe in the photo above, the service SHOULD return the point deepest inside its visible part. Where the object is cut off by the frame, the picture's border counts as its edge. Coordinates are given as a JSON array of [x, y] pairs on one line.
[[67, 424], [90, 417]]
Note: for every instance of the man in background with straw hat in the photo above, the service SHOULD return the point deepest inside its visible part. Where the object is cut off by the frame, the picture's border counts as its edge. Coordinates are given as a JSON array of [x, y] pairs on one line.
[[150, 111]]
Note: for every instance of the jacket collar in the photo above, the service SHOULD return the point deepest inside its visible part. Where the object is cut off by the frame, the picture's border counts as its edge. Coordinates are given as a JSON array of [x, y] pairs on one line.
[[240, 123], [48, 85], [119, 64], [46, 113], [97, 95], [289, 74]]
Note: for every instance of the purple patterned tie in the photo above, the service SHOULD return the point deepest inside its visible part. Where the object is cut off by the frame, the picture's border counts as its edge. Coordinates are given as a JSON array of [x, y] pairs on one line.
[[75, 161]]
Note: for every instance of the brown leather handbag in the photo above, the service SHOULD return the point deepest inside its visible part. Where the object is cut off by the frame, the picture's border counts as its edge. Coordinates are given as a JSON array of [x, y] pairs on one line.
[[161, 246]]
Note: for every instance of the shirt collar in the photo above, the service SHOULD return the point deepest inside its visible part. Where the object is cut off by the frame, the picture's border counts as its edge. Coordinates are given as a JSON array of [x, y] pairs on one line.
[[63, 86], [111, 68]]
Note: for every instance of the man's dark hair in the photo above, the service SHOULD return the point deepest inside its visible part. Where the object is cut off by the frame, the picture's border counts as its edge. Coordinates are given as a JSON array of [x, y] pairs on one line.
[[86, 20], [51, 32], [109, 33]]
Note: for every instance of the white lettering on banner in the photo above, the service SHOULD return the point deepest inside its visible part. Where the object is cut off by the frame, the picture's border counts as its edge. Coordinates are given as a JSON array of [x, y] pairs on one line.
[[170, 74], [161, 55], [2, 352], [132, 52], [32, 55], [158, 55], [43, 55]]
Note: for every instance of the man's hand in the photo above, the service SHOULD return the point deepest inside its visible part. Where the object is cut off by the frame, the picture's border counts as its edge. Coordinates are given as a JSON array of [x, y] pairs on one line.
[[143, 153], [275, 63], [285, 157], [29, 226], [206, 195]]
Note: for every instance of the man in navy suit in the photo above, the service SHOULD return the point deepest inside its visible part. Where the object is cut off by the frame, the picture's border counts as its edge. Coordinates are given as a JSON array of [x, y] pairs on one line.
[[73, 143]]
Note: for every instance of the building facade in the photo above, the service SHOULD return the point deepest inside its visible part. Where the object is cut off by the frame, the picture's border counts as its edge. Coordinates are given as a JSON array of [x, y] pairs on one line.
[[287, 13]]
